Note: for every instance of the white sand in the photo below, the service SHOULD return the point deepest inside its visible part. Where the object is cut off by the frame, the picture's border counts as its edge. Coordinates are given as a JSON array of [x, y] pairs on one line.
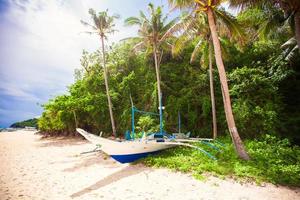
[[35, 168]]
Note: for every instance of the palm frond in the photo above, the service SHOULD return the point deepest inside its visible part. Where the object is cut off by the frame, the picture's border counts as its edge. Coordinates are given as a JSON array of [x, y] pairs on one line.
[[204, 60], [182, 25], [274, 22], [87, 24], [138, 46], [290, 48], [179, 45], [291, 42], [243, 4], [224, 50], [166, 27], [115, 16], [172, 30], [144, 18], [89, 32], [231, 24], [264, 30], [196, 51], [131, 39], [181, 3], [132, 21], [292, 54]]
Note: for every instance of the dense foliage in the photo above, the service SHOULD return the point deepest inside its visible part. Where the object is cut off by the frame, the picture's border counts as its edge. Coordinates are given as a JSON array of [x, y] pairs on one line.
[[272, 160], [259, 84], [23, 124]]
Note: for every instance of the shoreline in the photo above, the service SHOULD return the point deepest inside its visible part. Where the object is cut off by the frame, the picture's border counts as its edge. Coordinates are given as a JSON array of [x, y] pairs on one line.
[[53, 168]]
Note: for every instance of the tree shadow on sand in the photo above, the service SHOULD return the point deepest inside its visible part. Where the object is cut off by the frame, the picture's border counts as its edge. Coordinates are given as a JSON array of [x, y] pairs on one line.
[[130, 170]]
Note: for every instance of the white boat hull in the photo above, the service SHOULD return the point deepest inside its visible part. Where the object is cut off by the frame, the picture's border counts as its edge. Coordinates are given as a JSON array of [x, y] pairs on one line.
[[127, 151]]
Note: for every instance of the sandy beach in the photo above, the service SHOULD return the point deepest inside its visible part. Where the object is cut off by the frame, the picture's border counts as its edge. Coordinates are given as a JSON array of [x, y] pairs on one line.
[[36, 168]]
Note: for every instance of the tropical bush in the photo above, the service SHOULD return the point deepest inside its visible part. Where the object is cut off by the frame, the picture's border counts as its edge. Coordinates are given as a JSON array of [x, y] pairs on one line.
[[257, 96], [272, 160]]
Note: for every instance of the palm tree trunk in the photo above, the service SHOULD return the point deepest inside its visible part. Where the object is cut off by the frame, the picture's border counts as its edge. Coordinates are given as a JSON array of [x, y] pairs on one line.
[[157, 74], [107, 90], [297, 28], [239, 147], [212, 93], [75, 119]]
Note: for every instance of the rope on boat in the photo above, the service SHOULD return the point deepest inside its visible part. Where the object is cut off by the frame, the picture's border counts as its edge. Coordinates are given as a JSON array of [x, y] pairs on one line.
[[210, 145], [198, 148]]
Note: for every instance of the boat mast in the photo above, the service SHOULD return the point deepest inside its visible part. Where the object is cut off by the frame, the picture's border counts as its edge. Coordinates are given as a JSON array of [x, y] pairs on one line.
[[161, 116], [179, 122], [132, 117]]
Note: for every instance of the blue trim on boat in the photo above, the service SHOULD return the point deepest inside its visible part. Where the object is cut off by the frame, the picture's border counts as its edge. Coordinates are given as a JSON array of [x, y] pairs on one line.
[[128, 158]]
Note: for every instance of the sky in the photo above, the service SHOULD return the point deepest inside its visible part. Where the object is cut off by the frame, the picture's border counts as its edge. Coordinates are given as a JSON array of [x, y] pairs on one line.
[[41, 42]]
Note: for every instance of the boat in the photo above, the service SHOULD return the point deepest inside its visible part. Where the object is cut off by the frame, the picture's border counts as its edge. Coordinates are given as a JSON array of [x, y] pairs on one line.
[[132, 148], [127, 151]]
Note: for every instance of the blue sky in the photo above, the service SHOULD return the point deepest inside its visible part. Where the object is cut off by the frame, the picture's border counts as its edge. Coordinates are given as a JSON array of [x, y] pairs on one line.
[[41, 45]]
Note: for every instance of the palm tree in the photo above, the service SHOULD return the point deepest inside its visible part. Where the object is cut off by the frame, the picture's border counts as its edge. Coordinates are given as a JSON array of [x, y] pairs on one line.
[[195, 27], [291, 9], [209, 7], [103, 24], [151, 36]]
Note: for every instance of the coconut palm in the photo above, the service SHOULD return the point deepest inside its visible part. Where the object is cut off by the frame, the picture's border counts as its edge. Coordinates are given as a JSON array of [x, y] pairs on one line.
[[194, 26], [103, 25], [291, 10], [152, 38], [209, 7]]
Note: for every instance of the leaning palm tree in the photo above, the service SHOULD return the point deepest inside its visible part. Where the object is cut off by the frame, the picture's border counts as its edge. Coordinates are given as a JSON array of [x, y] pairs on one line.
[[194, 27], [151, 37], [209, 8], [103, 24]]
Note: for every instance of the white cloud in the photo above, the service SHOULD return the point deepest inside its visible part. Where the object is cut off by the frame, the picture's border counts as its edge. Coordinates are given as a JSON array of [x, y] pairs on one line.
[[12, 90], [41, 45]]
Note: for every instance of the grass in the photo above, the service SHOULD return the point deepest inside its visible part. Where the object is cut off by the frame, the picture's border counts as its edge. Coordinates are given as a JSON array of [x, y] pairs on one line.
[[272, 160]]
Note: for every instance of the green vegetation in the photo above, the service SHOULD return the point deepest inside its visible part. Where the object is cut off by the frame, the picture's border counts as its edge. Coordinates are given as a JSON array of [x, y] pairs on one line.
[[259, 93], [264, 88], [103, 24], [272, 160], [22, 124]]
